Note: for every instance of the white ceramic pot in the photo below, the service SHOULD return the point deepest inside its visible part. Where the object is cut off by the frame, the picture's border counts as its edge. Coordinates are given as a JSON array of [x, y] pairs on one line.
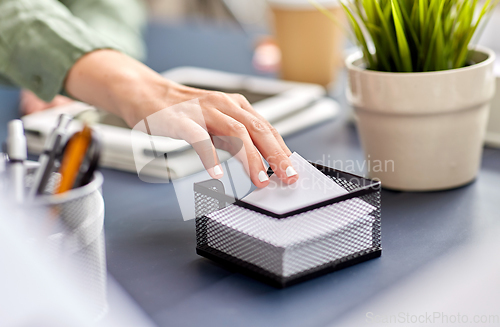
[[493, 129], [422, 131]]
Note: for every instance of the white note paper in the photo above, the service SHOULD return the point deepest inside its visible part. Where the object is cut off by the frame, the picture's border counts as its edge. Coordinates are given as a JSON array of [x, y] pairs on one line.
[[312, 187]]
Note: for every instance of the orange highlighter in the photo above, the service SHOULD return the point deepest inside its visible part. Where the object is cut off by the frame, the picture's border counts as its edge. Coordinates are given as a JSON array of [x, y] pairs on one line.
[[73, 158]]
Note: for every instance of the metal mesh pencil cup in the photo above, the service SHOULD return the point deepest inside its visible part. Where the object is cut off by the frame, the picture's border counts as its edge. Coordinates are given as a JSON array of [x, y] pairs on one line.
[[286, 249], [76, 236]]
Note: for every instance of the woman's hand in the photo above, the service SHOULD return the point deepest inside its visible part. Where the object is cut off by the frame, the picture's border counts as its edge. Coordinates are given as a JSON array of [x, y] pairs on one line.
[[124, 86], [30, 103]]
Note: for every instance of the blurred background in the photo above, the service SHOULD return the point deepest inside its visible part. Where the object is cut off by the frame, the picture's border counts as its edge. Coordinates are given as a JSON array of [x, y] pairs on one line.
[[260, 24], [253, 14], [181, 20]]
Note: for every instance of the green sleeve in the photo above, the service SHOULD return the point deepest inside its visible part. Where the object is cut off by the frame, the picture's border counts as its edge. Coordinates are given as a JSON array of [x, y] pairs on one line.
[[120, 20], [40, 40]]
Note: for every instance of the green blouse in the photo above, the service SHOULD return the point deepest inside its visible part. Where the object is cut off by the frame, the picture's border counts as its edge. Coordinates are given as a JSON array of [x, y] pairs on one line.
[[40, 40]]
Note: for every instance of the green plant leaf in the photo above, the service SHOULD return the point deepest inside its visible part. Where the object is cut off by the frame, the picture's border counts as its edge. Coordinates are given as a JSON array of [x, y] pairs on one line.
[[389, 35], [415, 35], [401, 37], [434, 37], [462, 57], [359, 36]]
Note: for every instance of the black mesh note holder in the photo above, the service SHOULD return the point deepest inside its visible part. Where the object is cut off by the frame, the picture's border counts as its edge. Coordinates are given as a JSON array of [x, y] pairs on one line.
[[285, 249]]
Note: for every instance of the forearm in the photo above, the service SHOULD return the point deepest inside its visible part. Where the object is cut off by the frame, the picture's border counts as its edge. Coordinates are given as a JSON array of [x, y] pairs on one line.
[[124, 86], [117, 83]]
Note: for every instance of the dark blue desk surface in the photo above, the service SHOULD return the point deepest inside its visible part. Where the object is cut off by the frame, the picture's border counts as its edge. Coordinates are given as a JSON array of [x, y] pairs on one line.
[[151, 250]]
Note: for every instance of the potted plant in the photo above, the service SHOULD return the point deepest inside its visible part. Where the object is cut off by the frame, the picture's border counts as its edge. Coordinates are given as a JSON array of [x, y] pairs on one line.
[[420, 92]]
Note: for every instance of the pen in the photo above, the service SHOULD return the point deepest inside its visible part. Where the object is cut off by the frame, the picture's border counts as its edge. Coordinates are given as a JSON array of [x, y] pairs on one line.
[[73, 158], [47, 157], [17, 151], [90, 163]]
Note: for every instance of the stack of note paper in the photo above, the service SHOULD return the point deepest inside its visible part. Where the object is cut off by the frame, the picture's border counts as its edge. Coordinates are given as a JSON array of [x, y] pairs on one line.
[[291, 245]]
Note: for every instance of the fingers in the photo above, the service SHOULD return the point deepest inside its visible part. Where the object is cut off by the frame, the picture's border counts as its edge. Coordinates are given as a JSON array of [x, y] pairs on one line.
[[234, 146], [60, 100], [244, 104], [30, 103], [265, 140], [221, 124], [201, 142]]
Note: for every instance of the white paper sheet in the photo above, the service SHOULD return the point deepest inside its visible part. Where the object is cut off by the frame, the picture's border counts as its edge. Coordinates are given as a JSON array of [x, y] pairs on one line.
[[291, 245], [296, 229], [312, 187]]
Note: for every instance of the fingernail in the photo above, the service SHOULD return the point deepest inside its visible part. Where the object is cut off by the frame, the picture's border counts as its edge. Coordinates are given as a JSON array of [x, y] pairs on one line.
[[290, 171], [217, 171], [263, 176]]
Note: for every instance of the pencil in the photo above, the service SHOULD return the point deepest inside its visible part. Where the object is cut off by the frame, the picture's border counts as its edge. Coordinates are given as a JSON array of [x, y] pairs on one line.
[[73, 158]]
